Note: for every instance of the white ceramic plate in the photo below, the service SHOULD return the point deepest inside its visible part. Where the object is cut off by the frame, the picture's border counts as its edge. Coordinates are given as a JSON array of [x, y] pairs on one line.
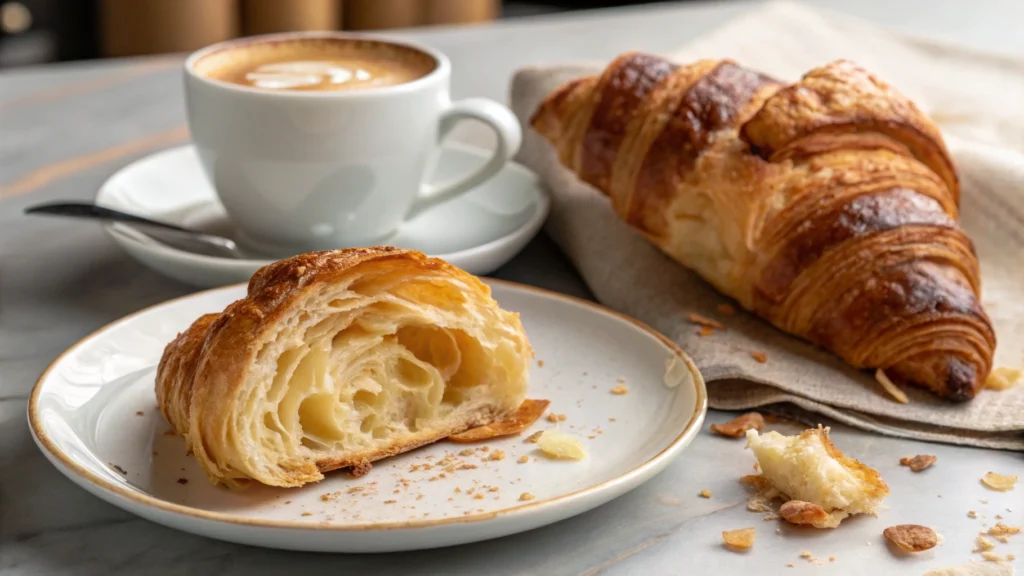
[[94, 415], [478, 231]]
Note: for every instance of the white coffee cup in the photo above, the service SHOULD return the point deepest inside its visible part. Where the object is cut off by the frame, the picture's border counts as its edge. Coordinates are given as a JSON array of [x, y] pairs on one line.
[[307, 170]]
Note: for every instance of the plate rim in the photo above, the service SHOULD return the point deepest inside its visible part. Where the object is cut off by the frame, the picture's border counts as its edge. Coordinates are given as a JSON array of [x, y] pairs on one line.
[[87, 478], [541, 209]]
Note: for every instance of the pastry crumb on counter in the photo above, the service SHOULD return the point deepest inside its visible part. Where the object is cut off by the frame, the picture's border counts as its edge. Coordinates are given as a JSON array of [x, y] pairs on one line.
[[742, 539], [706, 331], [993, 557], [619, 390], [704, 494], [972, 514], [911, 537], [540, 363], [1001, 529], [806, 555], [983, 544], [761, 357], [526, 496], [523, 459], [139, 413], [306, 514], [999, 481], [532, 438], [919, 462], [737, 427]]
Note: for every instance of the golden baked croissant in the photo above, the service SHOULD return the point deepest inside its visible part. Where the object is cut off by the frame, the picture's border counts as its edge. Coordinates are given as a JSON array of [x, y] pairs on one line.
[[828, 207], [336, 359]]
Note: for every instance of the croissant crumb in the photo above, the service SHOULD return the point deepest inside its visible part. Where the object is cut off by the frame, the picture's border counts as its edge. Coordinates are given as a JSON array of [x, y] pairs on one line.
[[560, 445], [811, 471], [742, 539], [1004, 378]]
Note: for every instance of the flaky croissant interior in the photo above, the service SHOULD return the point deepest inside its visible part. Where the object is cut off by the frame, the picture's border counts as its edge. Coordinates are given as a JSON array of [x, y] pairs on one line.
[[322, 369]]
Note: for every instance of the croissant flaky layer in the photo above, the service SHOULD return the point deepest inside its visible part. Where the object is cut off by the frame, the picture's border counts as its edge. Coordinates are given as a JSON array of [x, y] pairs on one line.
[[339, 358], [828, 206]]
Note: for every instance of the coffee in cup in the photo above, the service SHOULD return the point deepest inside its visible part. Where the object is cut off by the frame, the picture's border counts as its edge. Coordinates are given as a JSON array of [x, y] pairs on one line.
[[316, 64], [323, 140]]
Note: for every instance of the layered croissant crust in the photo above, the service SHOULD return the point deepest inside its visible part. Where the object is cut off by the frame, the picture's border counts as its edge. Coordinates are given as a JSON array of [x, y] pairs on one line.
[[335, 359], [828, 207]]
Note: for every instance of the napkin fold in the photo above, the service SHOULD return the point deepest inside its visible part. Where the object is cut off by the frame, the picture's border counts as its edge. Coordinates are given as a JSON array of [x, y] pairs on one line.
[[977, 99]]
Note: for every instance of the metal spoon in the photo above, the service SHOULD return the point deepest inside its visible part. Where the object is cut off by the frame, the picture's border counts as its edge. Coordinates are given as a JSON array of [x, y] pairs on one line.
[[162, 232]]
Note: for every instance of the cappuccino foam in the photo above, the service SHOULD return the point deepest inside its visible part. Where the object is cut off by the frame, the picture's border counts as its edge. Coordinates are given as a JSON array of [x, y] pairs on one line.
[[316, 64]]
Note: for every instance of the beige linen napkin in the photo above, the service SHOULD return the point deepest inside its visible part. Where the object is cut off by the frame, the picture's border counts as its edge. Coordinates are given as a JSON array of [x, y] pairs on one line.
[[979, 102]]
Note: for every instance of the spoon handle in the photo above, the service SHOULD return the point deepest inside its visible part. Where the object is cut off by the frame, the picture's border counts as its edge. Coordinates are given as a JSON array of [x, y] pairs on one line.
[[95, 212], [162, 232]]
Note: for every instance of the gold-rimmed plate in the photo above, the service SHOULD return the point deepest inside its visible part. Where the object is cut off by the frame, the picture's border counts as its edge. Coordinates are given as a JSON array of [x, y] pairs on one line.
[[94, 415]]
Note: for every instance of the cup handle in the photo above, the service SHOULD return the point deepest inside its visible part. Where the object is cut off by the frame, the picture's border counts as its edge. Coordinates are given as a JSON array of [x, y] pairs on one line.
[[505, 126]]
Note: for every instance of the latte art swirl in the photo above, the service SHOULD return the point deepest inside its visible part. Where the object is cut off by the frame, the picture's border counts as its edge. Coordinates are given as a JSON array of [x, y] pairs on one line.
[[316, 64], [301, 74]]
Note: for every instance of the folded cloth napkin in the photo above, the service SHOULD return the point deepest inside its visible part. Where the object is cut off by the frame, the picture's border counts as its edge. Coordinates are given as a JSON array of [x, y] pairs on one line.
[[979, 102]]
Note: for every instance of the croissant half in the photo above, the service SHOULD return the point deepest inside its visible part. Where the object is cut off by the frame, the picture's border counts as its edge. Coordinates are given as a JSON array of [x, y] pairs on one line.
[[828, 207], [336, 359]]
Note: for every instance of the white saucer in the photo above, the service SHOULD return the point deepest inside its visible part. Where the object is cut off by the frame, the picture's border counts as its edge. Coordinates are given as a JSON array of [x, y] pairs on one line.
[[94, 415], [478, 231]]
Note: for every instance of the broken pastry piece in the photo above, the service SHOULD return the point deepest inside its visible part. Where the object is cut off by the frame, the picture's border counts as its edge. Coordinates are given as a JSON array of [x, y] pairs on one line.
[[737, 427], [810, 469]]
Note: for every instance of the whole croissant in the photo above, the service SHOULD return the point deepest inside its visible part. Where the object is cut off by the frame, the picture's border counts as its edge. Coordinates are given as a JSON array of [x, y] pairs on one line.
[[828, 207]]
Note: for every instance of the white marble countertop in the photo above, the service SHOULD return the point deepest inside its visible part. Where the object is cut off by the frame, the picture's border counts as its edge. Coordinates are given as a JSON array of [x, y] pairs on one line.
[[64, 128]]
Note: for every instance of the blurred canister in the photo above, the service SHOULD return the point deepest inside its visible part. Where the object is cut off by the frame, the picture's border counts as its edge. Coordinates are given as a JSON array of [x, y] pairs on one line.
[[269, 16], [131, 27]]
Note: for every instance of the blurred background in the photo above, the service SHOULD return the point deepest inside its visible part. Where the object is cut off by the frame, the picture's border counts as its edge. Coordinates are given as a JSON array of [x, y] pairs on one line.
[[43, 31]]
